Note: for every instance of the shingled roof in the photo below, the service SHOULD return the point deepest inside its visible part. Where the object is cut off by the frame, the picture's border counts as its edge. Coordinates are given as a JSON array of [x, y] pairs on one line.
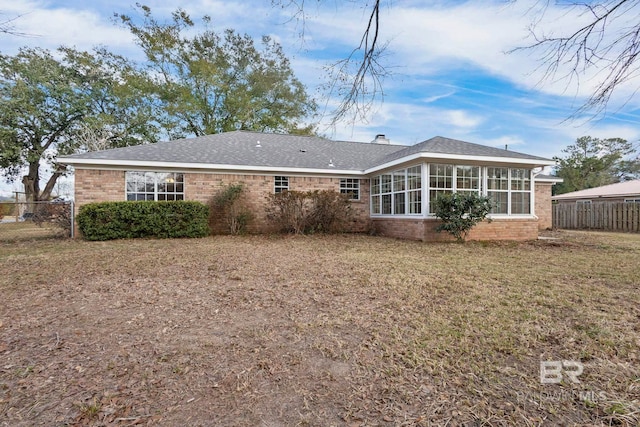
[[277, 151], [441, 145], [620, 189]]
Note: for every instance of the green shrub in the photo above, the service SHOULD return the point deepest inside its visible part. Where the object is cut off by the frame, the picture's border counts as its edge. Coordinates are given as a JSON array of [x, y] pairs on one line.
[[460, 212], [229, 205], [128, 220], [300, 212]]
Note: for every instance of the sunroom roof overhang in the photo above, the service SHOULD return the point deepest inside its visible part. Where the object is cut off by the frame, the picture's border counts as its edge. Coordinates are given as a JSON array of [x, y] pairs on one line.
[[460, 158]]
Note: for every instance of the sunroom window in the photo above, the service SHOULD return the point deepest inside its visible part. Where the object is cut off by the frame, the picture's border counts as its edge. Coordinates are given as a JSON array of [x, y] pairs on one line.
[[498, 189], [520, 192], [398, 192], [445, 178], [156, 186], [509, 190]]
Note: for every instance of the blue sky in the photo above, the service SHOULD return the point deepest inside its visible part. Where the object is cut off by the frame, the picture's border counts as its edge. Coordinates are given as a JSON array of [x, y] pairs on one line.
[[451, 75]]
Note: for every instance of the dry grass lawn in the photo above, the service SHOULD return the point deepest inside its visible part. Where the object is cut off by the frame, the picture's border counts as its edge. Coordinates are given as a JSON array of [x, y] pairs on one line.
[[13, 232], [337, 330]]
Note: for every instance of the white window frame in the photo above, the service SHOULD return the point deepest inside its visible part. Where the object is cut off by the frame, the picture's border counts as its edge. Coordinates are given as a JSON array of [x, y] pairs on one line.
[[479, 183], [350, 187], [280, 184], [454, 181], [388, 188], [587, 202], [513, 192], [634, 200], [501, 179], [159, 186]]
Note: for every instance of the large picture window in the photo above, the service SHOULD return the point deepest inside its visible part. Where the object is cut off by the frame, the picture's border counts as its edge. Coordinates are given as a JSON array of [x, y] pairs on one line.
[[156, 186], [397, 193]]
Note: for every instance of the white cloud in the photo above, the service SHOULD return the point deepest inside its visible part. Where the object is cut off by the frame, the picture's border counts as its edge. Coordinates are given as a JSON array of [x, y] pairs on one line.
[[430, 38], [50, 28], [434, 98], [461, 119]]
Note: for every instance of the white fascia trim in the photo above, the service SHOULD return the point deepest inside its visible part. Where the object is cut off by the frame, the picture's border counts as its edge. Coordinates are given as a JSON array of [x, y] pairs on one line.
[[477, 159], [536, 179], [133, 165]]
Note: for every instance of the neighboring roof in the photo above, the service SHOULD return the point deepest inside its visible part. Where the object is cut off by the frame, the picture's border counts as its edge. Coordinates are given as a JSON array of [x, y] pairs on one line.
[[621, 189], [240, 150]]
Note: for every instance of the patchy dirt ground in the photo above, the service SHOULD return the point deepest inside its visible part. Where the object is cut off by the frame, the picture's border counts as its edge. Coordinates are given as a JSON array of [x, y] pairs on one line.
[[339, 330]]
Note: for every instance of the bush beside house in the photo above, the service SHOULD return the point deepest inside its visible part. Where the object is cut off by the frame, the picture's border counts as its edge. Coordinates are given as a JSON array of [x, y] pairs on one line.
[[315, 211], [127, 220]]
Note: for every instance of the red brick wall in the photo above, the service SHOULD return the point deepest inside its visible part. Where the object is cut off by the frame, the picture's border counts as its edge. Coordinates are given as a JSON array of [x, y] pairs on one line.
[[543, 205], [425, 229], [93, 185], [108, 185]]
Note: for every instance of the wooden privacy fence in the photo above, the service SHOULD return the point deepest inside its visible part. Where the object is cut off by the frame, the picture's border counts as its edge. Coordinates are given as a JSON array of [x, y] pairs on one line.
[[597, 216]]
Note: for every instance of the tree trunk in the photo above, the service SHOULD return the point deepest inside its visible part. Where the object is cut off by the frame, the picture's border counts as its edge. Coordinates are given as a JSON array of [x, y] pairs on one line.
[[31, 182], [48, 189]]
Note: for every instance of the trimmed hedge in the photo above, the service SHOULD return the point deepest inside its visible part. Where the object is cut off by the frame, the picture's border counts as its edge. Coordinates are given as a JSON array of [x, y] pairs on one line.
[[128, 220]]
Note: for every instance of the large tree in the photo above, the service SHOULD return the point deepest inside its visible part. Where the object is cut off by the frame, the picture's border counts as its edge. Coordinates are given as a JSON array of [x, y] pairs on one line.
[[45, 102], [592, 162], [210, 83]]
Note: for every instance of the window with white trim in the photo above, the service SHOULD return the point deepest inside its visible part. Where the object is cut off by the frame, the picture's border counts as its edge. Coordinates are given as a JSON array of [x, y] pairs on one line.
[[281, 184], [509, 190], [444, 178], [398, 192], [375, 194], [520, 180], [414, 189], [632, 200], [498, 189], [583, 202], [350, 187], [156, 186]]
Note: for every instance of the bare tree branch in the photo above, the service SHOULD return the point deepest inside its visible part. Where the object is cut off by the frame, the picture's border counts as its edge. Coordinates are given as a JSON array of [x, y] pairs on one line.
[[356, 80], [607, 46], [7, 27]]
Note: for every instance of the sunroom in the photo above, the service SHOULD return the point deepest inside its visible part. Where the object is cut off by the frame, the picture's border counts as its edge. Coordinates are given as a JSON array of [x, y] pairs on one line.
[[410, 192], [402, 200]]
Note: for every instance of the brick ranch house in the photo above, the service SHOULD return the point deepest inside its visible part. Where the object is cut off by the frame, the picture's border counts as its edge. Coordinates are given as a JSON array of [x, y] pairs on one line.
[[392, 187]]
